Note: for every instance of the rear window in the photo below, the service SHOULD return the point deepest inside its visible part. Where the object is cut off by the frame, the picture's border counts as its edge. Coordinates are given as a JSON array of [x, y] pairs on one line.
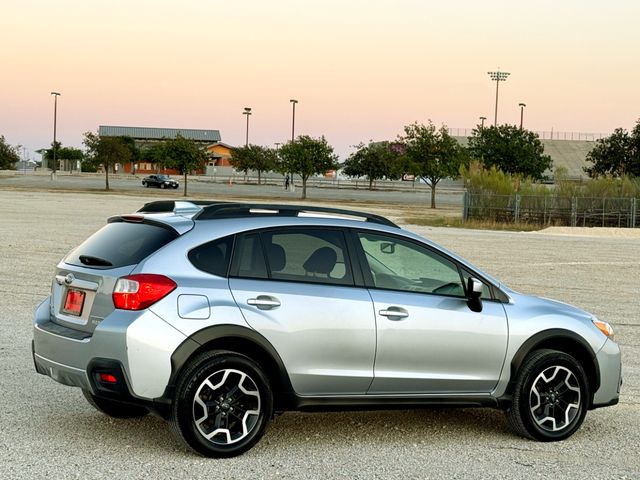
[[120, 244]]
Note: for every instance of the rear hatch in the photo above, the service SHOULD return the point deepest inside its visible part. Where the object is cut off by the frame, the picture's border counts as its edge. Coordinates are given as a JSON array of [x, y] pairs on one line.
[[82, 288]]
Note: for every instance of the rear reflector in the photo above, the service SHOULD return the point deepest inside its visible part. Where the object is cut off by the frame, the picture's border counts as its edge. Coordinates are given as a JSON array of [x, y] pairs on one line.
[[137, 292], [107, 378]]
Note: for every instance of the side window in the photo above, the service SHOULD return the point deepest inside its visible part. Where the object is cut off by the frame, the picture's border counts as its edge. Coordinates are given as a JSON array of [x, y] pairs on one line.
[[249, 258], [398, 264], [307, 255], [213, 257]]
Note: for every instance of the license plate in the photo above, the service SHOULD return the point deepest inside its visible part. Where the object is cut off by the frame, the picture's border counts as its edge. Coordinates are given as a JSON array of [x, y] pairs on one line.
[[73, 302]]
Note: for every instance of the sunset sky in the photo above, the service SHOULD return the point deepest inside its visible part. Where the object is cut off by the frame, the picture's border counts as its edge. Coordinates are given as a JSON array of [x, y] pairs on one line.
[[361, 70]]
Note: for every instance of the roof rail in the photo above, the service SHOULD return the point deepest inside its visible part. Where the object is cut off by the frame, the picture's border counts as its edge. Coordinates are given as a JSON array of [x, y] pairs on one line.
[[231, 210]]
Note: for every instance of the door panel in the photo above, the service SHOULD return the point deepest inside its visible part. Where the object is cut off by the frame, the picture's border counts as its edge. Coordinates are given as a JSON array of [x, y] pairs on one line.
[[440, 346], [325, 334], [428, 340]]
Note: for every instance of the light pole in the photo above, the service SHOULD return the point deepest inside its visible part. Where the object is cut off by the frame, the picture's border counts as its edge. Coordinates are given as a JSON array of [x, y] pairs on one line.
[[498, 77], [247, 112], [293, 119], [482, 119], [521, 105], [55, 121]]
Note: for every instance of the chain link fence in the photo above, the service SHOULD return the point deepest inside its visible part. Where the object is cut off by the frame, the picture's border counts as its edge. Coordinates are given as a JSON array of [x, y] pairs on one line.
[[551, 210]]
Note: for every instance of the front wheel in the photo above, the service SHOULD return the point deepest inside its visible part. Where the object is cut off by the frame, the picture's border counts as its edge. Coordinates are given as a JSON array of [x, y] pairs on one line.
[[113, 408], [550, 398], [223, 404]]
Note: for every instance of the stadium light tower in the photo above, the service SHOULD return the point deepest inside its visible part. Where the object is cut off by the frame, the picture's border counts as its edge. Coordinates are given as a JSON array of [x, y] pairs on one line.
[[498, 77], [482, 119], [521, 105]]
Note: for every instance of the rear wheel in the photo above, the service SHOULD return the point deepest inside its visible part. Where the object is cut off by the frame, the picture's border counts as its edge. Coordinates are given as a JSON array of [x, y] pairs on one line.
[[550, 398], [114, 408], [223, 404], [163, 186]]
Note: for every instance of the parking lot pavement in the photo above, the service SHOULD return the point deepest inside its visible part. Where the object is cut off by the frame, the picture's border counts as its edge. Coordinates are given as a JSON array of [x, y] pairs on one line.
[[50, 431], [209, 187]]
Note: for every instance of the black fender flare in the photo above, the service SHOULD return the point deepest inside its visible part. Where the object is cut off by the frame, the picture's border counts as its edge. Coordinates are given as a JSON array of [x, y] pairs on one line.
[[229, 337], [563, 340]]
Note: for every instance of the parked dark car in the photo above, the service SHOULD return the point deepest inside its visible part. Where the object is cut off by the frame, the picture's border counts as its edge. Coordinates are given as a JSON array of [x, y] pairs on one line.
[[159, 181]]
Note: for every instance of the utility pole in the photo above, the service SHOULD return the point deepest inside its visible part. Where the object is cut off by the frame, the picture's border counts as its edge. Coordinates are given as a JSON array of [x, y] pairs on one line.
[[247, 112], [521, 105], [55, 121]]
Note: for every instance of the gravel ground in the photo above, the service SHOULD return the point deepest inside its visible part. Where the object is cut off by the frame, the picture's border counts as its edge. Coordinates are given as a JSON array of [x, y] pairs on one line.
[[49, 431]]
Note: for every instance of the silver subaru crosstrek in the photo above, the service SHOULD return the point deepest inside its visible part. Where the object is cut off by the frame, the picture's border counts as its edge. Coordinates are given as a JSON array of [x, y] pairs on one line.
[[216, 316]]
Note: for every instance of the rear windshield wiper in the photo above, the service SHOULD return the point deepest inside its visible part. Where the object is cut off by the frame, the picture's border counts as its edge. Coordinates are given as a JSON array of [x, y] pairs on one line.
[[95, 261]]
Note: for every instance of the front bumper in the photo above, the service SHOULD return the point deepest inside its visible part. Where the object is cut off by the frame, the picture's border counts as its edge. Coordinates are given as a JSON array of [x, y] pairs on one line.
[[610, 365]]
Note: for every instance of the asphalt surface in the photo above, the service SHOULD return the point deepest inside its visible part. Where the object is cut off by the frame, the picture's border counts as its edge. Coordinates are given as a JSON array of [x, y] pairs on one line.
[[49, 431]]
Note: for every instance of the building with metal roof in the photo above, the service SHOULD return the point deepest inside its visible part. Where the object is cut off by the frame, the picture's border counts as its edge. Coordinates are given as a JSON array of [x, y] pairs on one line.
[[150, 133]]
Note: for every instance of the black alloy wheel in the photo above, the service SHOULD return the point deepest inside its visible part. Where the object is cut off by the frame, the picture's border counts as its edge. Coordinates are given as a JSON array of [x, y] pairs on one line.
[[550, 398], [223, 404]]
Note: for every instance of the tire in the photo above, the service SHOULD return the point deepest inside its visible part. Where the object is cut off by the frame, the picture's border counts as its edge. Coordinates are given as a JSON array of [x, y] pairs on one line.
[[163, 186], [113, 408], [550, 397], [144, 184], [239, 404]]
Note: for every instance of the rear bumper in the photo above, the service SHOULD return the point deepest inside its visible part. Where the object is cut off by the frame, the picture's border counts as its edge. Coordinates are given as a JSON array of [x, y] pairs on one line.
[[137, 345], [61, 373], [65, 355], [610, 364]]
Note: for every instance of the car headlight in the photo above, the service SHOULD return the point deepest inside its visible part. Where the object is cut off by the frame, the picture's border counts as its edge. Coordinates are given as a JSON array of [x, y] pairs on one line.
[[604, 327]]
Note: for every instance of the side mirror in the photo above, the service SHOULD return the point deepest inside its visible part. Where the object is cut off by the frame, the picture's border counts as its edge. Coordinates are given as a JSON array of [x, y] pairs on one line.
[[387, 247], [474, 292]]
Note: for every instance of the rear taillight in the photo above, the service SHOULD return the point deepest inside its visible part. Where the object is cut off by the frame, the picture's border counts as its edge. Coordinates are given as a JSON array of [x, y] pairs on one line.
[[137, 292]]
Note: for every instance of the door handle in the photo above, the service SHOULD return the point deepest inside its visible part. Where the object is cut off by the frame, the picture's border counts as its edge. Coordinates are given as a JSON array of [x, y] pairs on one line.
[[394, 313], [264, 302]]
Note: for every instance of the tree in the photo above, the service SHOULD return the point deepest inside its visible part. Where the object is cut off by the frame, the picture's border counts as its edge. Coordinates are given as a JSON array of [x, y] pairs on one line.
[[134, 151], [182, 154], [8, 155], [616, 155], [374, 161], [64, 153], [432, 154], [254, 157], [307, 156], [511, 149], [105, 151]]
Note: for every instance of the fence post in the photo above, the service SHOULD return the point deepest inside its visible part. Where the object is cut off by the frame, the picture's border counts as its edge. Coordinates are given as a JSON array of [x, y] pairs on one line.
[[634, 206], [465, 207], [516, 213], [574, 211]]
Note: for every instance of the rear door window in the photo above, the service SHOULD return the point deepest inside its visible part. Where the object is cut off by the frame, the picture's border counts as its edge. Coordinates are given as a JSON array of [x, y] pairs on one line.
[[307, 255], [119, 244]]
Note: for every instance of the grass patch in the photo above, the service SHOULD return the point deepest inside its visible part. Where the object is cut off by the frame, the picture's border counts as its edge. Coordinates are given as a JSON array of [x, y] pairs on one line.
[[457, 222]]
